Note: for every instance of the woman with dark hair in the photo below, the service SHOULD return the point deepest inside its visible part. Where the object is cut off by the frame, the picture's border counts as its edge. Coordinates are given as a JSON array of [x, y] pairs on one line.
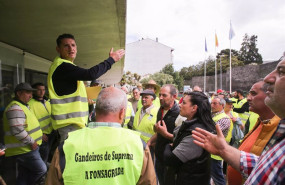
[[189, 162]]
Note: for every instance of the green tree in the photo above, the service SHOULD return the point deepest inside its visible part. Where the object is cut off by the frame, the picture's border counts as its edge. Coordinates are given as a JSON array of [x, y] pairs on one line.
[[178, 80], [159, 78], [249, 51], [224, 55], [168, 69]]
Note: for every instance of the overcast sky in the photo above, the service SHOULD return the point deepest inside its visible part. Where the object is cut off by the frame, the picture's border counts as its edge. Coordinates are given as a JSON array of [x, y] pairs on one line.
[[184, 24]]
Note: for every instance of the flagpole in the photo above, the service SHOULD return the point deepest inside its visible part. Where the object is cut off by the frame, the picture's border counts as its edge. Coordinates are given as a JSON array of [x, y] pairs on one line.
[[205, 65], [215, 62], [205, 72], [231, 35], [230, 66]]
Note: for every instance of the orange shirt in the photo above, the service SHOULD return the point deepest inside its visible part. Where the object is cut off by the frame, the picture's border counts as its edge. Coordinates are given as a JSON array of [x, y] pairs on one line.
[[253, 142]]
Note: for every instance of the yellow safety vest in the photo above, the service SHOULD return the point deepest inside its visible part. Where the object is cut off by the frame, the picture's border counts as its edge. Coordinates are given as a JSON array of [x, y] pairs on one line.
[[14, 146], [146, 126], [243, 116], [217, 118], [42, 112], [116, 158], [252, 119], [67, 109], [129, 114]]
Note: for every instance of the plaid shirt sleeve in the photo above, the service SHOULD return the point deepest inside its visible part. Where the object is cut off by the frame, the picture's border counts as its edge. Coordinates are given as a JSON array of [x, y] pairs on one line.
[[247, 162], [225, 125]]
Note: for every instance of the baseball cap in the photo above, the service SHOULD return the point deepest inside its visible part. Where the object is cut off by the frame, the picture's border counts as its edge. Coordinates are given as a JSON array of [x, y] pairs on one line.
[[219, 91], [148, 92], [24, 86], [228, 100]]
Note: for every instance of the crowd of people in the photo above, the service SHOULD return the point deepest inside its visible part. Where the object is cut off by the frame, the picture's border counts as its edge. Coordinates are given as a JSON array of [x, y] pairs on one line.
[[144, 134]]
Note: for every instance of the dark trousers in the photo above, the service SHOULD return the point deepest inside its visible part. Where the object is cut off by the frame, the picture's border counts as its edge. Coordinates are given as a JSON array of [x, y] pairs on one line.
[[217, 172], [161, 171], [46, 146], [30, 168]]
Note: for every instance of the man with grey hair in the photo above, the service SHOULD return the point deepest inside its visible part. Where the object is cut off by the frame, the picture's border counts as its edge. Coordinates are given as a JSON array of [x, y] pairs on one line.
[[118, 157], [223, 120]]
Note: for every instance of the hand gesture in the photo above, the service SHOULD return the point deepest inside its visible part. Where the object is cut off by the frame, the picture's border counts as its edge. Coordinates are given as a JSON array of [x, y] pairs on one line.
[[161, 128], [117, 55]]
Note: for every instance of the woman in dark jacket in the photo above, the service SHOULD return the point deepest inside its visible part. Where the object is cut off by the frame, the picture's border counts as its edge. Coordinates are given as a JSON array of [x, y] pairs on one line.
[[189, 162]]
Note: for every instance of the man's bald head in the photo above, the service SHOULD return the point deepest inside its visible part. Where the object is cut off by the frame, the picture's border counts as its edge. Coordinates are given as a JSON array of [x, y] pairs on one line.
[[111, 100]]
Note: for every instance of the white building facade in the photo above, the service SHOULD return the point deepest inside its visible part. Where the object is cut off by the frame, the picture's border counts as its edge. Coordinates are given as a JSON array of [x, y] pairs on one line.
[[147, 56]]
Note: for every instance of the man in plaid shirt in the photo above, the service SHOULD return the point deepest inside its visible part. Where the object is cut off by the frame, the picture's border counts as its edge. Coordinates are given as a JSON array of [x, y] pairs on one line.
[[269, 168]]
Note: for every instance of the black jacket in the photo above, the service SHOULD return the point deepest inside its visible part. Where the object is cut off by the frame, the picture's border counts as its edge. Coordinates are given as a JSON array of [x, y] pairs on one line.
[[195, 171], [169, 120]]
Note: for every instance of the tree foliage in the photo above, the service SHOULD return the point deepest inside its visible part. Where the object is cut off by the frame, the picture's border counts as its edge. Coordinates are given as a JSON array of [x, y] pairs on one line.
[[159, 78], [249, 51], [198, 70], [177, 79], [130, 78]]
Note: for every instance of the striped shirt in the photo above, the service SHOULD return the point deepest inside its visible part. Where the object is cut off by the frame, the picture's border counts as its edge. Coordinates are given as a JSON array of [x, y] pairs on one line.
[[224, 123], [17, 122], [269, 168]]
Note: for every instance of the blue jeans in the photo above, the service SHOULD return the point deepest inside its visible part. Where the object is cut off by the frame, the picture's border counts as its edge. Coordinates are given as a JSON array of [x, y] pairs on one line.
[[46, 146], [217, 172], [31, 167]]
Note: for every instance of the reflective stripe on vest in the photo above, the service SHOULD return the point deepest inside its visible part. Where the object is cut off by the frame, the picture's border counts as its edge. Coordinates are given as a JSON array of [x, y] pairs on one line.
[[69, 115], [217, 118], [8, 133], [68, 100], [46, 127], [14, 146], [116, 159], [44, 118], [145, 134], [67, 109], [42, 111], [145, 126]]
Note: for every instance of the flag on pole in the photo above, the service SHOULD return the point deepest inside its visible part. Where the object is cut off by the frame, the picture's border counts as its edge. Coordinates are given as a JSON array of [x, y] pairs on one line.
[[216, 40], [232, 33], [206, 49]]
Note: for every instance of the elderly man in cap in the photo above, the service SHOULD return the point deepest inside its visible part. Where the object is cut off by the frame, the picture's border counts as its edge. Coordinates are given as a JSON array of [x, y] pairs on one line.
[[145, 117], [269, 167], [23, 136]]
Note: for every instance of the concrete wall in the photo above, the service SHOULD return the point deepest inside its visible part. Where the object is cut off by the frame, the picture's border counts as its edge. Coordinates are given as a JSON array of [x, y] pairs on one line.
[[243, 77], [147, 57]]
